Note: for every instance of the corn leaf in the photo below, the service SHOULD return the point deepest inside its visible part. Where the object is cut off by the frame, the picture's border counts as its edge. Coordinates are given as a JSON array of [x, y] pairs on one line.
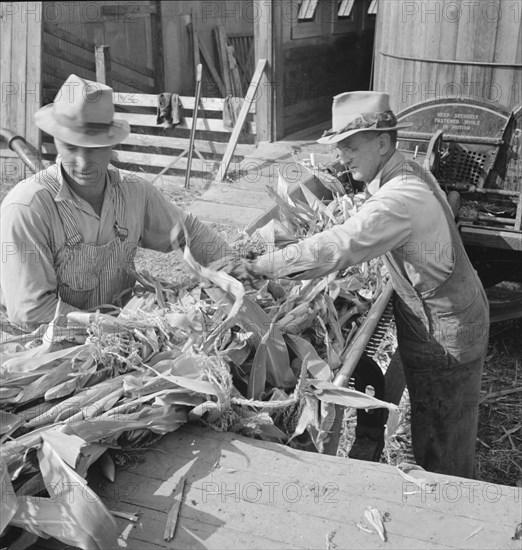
[[28, 363], [258, 373], [346, 397], [418, 476], [307, 418], [304, 350], [9, 503], [373, 517], [73, 514]]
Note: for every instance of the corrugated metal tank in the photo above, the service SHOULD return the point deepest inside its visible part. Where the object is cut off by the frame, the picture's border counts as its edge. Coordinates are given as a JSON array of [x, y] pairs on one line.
[[434, 49]]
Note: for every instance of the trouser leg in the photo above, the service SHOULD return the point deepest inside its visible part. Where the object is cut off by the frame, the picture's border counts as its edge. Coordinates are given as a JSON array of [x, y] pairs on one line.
[[444, 412]]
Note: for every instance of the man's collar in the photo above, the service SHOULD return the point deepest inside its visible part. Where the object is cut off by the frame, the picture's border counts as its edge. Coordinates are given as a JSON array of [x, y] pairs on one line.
[[386, 173], [65, 192]]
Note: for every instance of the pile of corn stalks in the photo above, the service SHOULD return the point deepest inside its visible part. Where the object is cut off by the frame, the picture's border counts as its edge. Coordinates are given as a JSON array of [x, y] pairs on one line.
[[259, 362]]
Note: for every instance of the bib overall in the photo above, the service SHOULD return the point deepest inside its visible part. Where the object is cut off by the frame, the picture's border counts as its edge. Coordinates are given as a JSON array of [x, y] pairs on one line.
[[442, 338], [91, 275]]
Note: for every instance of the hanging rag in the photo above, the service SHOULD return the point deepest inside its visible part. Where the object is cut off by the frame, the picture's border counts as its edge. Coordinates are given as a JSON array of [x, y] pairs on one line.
[[231, 109], [169, 110]]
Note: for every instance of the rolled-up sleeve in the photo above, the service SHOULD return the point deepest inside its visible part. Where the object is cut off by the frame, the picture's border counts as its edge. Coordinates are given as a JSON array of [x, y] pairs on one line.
[[163, 231], [378, 227], [28, 279]]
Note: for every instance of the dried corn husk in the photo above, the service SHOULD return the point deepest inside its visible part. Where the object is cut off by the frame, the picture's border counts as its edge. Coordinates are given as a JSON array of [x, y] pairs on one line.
[[173, 354]]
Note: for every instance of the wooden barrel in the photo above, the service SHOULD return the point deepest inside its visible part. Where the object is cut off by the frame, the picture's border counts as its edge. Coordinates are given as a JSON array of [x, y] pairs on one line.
[[433, 49]]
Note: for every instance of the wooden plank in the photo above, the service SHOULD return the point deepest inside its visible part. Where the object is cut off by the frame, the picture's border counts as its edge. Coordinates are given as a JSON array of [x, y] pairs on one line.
[[487, 27], [251, 93], [507, 49], [102, 58], [71, 38], [66, 55], [138, 68], [509, 240], [244, 493], [147, 159], [33, 94], [8, 84], [207, 58], [157, 46], [234, 70], [130, 82], [56, 31], [264, 49], [151, 100], [203, 146], [221, 42], [162, 161], [209, 124], [19, 56], [57, 72]]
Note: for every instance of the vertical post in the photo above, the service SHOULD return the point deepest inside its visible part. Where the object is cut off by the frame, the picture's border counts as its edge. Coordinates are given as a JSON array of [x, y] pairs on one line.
[[158, 60], [263, 39], [33, 93], [103, 65], [268, 42]]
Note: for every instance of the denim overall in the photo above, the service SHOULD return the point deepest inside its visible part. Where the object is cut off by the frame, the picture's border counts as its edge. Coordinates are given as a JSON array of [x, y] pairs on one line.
[[91, 275], [442, 339]]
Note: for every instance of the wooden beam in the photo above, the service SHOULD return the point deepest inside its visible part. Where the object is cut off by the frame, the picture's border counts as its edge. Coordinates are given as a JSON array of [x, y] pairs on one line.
[[157, 46], [221, 40], [66, 55], [103, 65], [57, 32], [250, 95], [207, 58], [263, 38], [33, 78], [211, 69], [134, 99]]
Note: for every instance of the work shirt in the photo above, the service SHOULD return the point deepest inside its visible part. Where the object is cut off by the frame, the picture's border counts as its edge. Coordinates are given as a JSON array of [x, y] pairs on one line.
[[32, 234], [401, 215]]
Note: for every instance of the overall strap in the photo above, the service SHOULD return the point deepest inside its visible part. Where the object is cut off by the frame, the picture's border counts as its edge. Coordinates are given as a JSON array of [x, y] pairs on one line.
[[72, 233], [119, 203]]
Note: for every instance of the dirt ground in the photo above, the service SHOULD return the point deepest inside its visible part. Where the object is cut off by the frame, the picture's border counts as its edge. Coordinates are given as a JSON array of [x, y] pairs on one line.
[[499, 442]]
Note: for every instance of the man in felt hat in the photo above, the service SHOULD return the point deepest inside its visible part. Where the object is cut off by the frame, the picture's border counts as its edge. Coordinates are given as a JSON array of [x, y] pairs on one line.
[[70, 232], [440, 307]]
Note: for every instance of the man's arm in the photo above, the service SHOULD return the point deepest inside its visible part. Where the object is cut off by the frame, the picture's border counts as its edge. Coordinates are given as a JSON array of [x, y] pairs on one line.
[[378, 227], [28, 279], [163, 231]]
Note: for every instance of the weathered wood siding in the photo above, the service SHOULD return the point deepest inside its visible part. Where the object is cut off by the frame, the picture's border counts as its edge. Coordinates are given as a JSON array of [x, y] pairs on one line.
[[481, 42], [128, 28], [234, 15], [20, 71], [321, 59]]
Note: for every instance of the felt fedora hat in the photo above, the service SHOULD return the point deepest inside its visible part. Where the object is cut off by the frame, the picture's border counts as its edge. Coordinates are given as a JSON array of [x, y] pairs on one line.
[[354, 112], [83, 115]]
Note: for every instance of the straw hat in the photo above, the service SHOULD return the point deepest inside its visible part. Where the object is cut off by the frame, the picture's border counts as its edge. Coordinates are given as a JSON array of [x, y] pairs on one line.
[[83, 115], [354, 112]]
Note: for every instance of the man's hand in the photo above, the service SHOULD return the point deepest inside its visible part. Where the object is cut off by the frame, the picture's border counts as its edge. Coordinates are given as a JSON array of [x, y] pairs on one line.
[[243, 270]]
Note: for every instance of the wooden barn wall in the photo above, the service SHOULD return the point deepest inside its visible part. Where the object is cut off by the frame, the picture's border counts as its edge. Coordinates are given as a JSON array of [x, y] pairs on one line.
[[127, 27], [20, 61], [315, 68], [486, 34], [236, 16]]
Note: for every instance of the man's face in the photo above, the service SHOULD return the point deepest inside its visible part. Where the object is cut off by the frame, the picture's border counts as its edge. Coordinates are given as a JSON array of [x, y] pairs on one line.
[[85, 165], [360, 153]]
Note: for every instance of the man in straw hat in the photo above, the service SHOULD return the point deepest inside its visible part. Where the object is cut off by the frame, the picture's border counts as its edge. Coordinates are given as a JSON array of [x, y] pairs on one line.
[[70, 233], [440, 307]]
